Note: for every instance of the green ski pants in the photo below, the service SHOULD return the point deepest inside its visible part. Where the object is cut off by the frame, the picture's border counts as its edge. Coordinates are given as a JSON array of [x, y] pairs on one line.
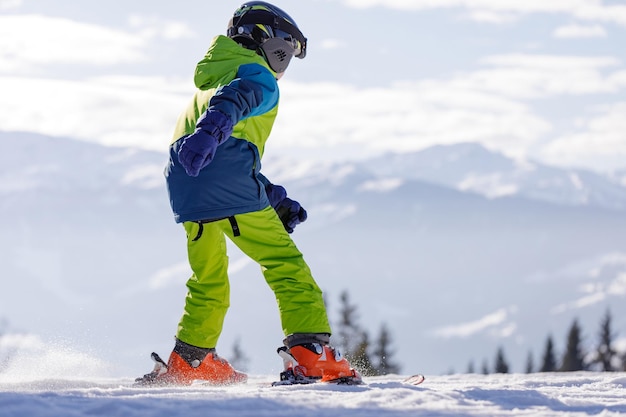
[[263, 238]]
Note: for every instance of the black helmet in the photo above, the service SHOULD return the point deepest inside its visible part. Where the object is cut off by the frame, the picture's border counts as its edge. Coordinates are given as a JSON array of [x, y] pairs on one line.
[[265, 28]]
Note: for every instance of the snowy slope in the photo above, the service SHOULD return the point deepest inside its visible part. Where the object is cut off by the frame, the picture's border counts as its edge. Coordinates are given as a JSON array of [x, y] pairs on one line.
[[545, 395], [93, 259], [58, 381]]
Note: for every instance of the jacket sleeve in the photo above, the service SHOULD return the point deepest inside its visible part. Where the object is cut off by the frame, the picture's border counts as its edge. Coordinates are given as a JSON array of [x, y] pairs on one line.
[[253, 92], [263, 180]]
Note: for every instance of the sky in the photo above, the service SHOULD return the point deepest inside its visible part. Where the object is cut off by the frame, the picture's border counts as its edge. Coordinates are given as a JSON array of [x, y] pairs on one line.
[[534, 79]]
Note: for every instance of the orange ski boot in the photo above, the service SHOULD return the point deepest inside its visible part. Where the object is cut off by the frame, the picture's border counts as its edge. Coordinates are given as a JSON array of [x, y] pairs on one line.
[[188, 364], [314, 362]]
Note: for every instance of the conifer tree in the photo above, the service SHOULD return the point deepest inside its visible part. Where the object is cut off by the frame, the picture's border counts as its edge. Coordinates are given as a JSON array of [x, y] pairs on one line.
[[352, 338], [348, 330], [549, 361], [605, 354], [383, 353], [485, 367], [470, 368], [573, 358], [501, 366], [239, 360], [530, 363]]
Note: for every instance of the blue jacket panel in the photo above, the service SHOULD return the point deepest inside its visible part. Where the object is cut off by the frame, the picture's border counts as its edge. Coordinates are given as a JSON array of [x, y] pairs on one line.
[[231, 184]]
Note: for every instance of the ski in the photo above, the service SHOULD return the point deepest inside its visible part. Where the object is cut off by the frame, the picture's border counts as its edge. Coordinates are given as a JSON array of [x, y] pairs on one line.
[[341, 381], [414, 379]]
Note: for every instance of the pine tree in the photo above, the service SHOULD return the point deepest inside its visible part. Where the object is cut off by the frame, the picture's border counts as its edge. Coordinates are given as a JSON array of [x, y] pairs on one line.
[[352, 338], [348, 330], [485, 368], [239, 360], [501, 366], [470, 368], [573, 359], [549, 360], [605, 354], [530, 363], [383, 353]]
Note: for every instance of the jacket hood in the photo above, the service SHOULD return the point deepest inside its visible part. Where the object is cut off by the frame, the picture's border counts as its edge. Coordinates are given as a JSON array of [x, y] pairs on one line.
[[222, 61]]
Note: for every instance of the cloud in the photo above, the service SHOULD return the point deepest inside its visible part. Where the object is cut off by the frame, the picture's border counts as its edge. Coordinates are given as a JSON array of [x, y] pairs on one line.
[[10, 4], [497, 11], [333, 44], [62, 41], [406, 116], [595, 293], [59, 41], [491, 185], [529, 76], [496, 321], [381, 185], [599, 141], [493, 105], [597, 279], [146, 176], [129, 111], [579, 31], [168, 276], [594, 268], [155, 27], [491, 16]]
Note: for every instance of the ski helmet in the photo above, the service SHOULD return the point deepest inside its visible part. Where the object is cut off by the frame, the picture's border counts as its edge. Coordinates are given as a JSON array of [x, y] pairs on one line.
[[270, 31]]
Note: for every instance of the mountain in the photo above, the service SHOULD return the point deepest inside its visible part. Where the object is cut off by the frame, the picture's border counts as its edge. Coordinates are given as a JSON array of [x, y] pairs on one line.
[[471, 167], [92, 258]]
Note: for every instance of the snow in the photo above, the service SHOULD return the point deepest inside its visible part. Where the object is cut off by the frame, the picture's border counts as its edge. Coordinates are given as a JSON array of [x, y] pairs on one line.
[[56, 380], [563, 394]]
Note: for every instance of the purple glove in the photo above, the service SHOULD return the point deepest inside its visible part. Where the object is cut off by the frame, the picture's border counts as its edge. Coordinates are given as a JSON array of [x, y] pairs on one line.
[[291, 214], [198, 149], [276, 194]]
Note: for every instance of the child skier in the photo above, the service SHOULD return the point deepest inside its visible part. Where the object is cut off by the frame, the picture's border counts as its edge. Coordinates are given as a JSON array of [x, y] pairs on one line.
[[216, 190]]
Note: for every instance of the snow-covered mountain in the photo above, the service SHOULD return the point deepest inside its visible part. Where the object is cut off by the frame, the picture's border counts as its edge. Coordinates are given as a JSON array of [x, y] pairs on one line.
[[91, 255], [471, 167]]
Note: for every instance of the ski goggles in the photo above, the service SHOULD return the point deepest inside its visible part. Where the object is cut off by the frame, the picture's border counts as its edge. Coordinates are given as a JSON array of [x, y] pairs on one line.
[[297, 45]]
